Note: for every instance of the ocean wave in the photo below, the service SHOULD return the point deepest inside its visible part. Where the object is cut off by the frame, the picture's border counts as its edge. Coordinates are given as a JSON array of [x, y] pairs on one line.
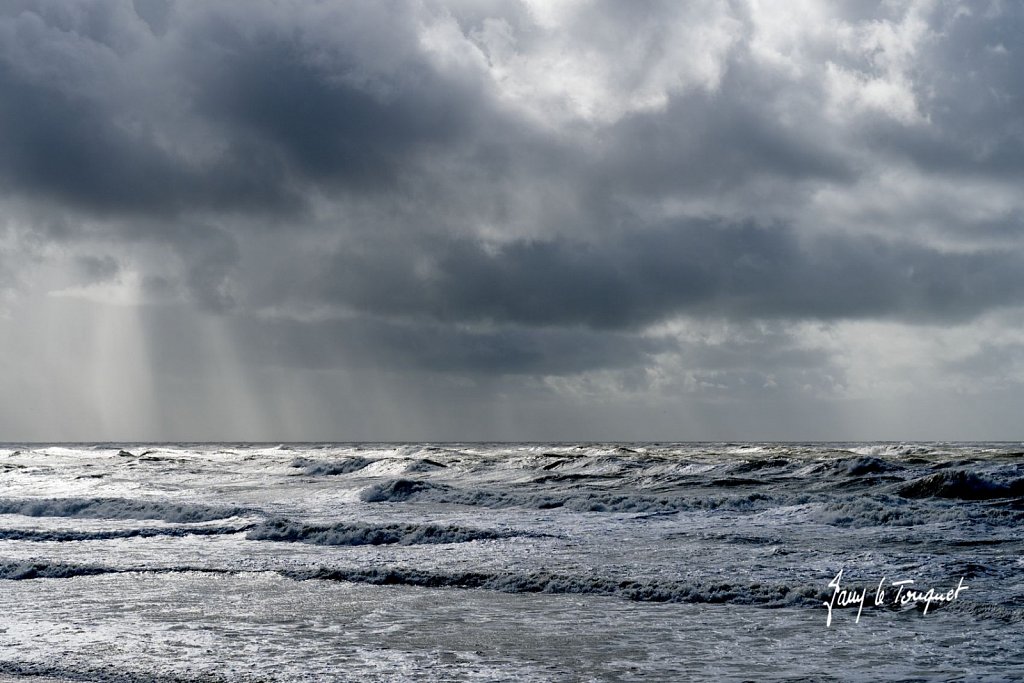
[[639, 590], [398, 490], [1010, 614], [98, 672], [424, 465], [118, 508], [899, 450], [858, 466], [414, 490], [963, 485], [866, 465], [759, 464], [369, 534], [22, 570], [19, 571], [321, 468], [61, 535], [888, 510], [861, 512], [731, 482]]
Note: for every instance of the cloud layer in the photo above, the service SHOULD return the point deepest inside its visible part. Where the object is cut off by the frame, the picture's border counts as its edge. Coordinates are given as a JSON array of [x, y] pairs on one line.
[[420, 207]]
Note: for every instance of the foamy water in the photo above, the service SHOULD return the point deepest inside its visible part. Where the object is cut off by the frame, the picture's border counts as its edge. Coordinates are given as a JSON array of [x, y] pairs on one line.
[[509, 561]]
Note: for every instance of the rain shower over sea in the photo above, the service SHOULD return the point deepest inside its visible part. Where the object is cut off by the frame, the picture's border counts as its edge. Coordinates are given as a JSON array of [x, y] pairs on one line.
[[535, 562]]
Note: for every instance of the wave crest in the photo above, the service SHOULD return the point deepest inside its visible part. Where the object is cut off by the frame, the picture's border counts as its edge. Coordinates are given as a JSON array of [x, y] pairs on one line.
[[322, 468], [414, 490], [368, 534], [63, 536], [639, 590], [118, 508], [963, 485]]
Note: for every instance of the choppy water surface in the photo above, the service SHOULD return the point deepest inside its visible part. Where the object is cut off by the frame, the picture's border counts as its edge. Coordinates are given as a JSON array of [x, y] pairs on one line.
[[508, 561]]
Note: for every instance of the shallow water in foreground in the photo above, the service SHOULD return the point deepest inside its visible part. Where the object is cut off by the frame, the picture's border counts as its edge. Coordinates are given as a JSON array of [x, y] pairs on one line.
[[508, 561]]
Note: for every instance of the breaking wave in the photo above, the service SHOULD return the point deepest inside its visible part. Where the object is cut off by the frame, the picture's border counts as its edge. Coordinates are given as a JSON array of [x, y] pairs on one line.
[[368, 534], [867, 512], [18, 571], [60, 535], [29, 569], [897, 450], [118, 508], [963, 485], [759, 464], [637, 590], [640, 590], [410, 490], [864, 466], [322, 468]]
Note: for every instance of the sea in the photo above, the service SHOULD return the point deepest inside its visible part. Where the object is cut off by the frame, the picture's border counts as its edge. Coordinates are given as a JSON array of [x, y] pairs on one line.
[[512, 562]]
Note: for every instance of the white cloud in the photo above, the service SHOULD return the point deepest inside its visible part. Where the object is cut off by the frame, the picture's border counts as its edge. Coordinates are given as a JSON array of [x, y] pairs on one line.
[[574, 63]]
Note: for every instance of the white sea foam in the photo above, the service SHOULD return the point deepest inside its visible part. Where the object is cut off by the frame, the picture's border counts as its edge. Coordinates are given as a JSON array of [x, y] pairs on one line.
[[297, 544], [342, 533], [118, 508]]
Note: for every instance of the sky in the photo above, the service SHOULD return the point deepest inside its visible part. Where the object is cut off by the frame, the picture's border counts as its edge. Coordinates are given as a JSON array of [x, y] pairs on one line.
[[511, 220]]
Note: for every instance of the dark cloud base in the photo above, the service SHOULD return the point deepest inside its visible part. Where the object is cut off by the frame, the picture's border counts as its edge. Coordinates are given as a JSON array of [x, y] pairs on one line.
[[698, 269]]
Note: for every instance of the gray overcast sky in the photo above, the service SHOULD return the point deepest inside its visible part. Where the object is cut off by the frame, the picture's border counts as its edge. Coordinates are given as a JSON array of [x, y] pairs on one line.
[[511, 219]]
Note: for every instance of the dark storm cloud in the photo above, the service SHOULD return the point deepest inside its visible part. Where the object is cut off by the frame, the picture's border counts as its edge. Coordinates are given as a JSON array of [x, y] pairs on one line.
[[249, 118], [65, 147], [75, 144], [328, 121], [705, 269], [291, 107], [379, 158], [256, 109]]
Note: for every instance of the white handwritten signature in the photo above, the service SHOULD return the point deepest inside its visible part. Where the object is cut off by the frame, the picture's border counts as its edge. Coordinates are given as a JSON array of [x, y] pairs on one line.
[[847, 597]]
